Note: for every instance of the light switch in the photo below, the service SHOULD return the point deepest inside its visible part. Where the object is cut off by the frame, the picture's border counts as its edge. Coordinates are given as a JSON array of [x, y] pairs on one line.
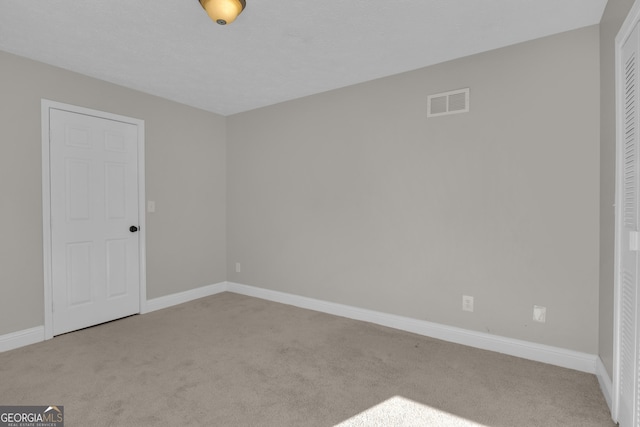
[[151, 206]]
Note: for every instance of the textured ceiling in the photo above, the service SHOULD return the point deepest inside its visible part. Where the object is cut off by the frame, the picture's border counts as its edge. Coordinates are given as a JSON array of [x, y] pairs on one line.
[[277, 49]]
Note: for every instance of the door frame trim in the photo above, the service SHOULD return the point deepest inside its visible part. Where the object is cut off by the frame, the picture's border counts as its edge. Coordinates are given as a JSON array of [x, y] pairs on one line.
[[46, 106], [623, 34]]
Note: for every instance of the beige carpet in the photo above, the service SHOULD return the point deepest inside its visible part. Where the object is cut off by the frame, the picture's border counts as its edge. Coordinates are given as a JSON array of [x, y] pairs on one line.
[[231, 360]]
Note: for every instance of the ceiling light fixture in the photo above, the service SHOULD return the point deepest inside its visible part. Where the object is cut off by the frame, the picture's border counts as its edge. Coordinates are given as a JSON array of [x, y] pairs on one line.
[[223, 11]]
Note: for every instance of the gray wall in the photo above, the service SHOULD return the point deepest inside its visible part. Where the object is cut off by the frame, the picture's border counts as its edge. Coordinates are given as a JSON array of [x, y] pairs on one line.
[[354, 196], [614, 15], [185, 175]]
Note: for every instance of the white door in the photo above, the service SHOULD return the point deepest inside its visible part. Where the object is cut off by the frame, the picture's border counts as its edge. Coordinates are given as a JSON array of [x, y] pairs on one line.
[[626, 399], [95, 265], [628, 238]]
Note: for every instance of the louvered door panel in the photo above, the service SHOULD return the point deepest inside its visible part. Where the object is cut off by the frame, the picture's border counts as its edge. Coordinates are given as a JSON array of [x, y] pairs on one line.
[[629, 394], [630, 137]]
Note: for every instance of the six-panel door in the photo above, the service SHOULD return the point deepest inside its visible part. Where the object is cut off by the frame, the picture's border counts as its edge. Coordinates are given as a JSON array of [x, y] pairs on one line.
[[94, 202]]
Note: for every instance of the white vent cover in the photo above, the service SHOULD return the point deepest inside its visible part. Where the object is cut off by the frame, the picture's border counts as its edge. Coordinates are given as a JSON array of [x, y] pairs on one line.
[[453, 102]]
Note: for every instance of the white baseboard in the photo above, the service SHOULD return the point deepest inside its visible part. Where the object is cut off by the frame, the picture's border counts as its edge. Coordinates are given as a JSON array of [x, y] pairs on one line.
[[186, 296], [21, 338], [34, 335], [527, 350], [606, 385]]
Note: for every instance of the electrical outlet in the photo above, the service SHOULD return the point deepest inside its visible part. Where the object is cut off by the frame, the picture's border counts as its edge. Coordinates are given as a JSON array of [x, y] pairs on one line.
[[238, 267], [539, 314], [467, 303]]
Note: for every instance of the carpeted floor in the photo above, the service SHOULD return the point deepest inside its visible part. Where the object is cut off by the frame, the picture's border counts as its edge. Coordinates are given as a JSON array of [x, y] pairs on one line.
[[232, 360]]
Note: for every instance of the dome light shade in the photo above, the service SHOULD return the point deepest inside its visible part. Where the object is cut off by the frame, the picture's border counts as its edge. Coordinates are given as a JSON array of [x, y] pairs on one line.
[[223, 11]]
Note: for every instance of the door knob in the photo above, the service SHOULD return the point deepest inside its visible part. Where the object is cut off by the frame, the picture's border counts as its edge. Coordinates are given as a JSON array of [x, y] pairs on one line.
[[133, 229]]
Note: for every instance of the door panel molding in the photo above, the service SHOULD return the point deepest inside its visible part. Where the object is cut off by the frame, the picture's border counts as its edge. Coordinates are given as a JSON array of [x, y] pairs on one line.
[[46, 107]]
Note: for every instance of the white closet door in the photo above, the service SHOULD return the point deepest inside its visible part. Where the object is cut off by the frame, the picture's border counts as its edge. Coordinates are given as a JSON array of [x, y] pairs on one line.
[[628, 403]]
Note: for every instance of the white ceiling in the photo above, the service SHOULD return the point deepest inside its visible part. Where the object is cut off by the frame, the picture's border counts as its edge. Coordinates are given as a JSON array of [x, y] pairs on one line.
[[277, 49]]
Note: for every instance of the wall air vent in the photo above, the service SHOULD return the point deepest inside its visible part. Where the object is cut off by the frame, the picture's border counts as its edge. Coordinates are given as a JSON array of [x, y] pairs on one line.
[[453, 102]]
